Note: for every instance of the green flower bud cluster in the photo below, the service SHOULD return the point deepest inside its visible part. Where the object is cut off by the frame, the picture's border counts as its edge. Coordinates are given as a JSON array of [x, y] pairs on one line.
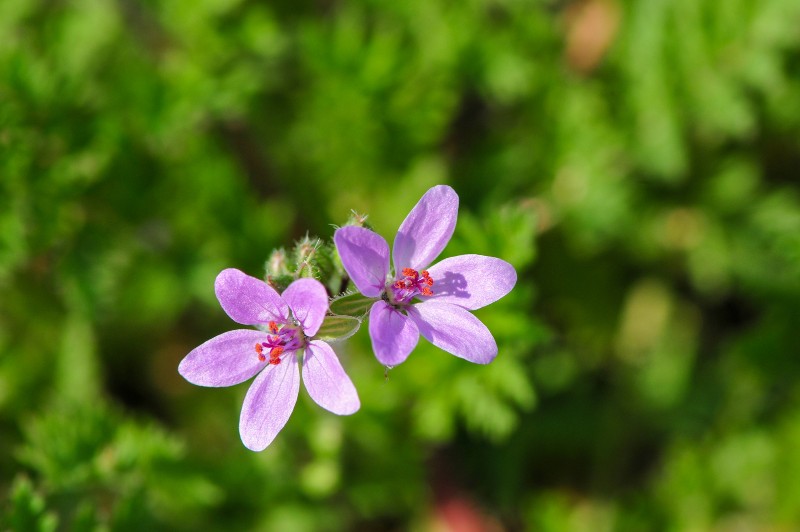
[[310, 257], [313, 257]]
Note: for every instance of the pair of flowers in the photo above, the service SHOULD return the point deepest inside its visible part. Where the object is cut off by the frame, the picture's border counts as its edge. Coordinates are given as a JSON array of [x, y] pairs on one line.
[[434, 303]]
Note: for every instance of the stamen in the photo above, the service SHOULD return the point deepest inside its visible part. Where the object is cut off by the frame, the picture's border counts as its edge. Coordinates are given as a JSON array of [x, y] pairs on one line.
[[275, 355], [260, 351], [276, 352], [412, 283], [281, 338]]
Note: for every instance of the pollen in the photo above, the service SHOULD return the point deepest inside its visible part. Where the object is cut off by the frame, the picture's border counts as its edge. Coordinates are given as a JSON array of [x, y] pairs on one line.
[[412, 283], [275, 355], [275, 352], [273, 327], [260, 352]]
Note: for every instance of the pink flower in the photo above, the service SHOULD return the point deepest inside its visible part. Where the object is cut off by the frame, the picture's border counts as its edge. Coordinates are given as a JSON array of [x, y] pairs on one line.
[[434, 302], [287, 325]]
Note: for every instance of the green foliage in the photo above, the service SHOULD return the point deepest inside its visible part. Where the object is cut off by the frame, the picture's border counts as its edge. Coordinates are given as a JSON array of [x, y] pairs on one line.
[[100, 467], [636, 161], [26, 509]]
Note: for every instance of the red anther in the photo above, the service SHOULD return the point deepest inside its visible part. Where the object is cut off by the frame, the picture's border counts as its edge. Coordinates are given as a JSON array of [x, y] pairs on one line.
[[260, 351], [275, 352], [275, 355], [413, 283], [273, 327]]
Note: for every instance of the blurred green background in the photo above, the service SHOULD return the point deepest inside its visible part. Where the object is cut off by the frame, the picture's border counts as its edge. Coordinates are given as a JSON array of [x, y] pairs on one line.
[[637, 161]]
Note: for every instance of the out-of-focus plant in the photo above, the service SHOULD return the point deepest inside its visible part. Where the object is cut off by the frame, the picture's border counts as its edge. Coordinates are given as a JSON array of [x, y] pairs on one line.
[[634, 161]]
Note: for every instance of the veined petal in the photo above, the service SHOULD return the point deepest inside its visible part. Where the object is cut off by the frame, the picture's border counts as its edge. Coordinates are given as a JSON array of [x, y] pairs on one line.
[[326, 382], [471, 281], [365, 257], [225, 360], [455, 330], [309, 302], [426, 230], [248, 300], [269, 403], [393, 334]]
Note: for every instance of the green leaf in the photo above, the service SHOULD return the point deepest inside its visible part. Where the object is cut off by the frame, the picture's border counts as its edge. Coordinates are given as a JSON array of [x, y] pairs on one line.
[[336, 328], [351, 305]]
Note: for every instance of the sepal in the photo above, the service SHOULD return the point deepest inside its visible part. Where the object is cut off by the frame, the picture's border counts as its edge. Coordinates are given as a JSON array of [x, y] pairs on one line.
[[280, 282], [337, 328], [359, 220], [306, 256], [278, 263], [354, 304]]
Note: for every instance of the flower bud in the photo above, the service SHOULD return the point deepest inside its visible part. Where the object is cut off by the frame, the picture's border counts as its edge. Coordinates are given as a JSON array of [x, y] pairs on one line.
[[277, 264]]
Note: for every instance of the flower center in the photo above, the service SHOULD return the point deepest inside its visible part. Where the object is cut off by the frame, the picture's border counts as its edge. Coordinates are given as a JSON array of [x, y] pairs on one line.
[[412, 283], [283, 338]]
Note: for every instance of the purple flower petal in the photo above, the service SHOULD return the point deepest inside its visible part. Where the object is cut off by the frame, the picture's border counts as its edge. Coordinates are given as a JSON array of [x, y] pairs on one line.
[[393, 335], [471, 281], [225, 360], [455, 330], [248, 300], [326, 382], [309, 302], [269, 403], [365, 257], [426, 230]]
